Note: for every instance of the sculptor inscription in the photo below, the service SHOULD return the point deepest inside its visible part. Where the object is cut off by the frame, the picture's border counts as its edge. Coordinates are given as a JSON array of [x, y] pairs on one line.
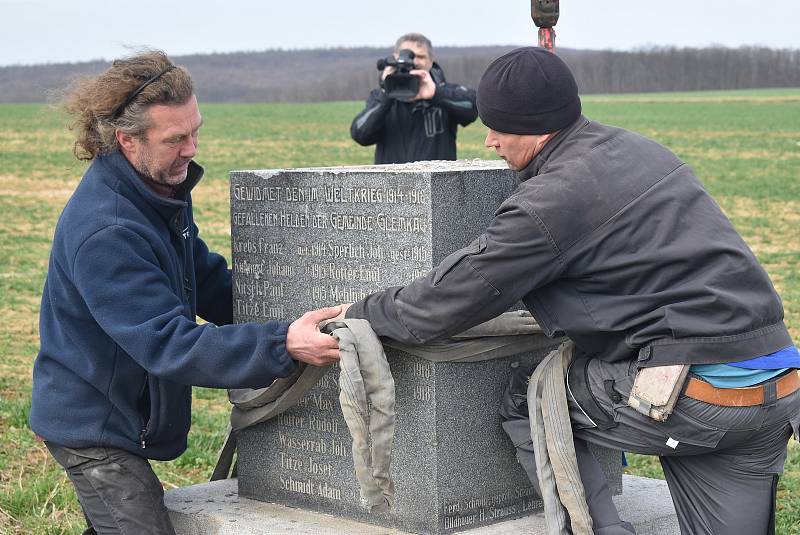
[[511, 502]]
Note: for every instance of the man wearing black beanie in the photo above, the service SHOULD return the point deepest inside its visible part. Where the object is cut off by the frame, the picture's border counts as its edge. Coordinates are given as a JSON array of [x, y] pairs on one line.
[[612, 240], [528, 91]]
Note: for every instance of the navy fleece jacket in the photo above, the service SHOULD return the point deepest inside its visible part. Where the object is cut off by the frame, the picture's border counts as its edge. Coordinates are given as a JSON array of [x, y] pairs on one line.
[[120, 347]]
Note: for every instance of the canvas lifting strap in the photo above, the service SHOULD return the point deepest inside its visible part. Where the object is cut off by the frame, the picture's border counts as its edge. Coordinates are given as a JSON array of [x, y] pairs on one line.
[[509, 334]]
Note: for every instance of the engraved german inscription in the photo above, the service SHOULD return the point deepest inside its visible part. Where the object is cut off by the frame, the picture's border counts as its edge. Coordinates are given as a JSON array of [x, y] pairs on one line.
[[423, 369], [292, 420], [330, 380], [317, 401], [422, 393], [311, 487], [291, 463], [255, 193], [318, 468]]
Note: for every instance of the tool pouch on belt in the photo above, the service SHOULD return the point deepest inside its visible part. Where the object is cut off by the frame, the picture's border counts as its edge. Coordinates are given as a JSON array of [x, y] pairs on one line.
[[655, 390]]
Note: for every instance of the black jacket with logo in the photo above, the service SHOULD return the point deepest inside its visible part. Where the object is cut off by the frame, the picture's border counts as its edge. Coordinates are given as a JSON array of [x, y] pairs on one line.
[[611, 240], [418, 130]]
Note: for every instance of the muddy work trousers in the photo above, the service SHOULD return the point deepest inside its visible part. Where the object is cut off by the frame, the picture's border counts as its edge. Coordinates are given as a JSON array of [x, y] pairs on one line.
[[118, 491], [721, 463]]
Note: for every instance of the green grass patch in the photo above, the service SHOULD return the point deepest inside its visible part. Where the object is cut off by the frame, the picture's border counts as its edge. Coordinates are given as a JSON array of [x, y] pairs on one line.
[[744, 146]]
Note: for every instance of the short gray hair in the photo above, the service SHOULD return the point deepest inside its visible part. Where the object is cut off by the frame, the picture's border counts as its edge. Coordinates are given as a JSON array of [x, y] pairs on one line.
[[414, 38]]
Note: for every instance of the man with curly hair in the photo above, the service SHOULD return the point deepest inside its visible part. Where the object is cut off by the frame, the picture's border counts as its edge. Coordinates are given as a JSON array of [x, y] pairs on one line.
[[128, 273]]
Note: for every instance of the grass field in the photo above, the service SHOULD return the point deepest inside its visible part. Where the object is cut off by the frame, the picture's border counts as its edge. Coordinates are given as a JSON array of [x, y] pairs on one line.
[[745, 146]]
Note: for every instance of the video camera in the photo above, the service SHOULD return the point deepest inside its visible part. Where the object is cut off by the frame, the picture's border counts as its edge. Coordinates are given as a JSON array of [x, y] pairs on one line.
[[400, 84]]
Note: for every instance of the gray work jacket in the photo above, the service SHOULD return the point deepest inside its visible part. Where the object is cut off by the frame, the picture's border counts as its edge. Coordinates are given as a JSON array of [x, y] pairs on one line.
[[611, 240]]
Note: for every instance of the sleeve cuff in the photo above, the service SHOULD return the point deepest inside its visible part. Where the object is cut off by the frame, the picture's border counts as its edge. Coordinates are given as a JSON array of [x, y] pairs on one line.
[[284, 362]]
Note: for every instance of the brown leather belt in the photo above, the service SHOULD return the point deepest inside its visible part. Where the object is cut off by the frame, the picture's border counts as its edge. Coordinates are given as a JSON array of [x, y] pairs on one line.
[[743, 397]]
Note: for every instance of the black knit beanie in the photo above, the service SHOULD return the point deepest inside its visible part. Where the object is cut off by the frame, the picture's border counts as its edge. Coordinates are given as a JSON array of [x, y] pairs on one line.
[[528, 91]]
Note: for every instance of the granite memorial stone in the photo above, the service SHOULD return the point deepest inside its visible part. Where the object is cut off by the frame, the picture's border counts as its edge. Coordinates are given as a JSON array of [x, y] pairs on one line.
[[307, 238]]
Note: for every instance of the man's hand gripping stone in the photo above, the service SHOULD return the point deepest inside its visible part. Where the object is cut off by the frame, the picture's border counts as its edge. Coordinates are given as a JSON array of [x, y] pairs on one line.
[[305, 342]]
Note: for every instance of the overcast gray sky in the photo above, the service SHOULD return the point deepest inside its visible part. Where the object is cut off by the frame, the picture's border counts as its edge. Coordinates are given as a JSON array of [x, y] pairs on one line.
[[50, 31]]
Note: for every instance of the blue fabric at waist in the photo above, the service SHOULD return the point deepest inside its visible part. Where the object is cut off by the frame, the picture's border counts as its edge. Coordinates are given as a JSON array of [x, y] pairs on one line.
[[788, 357], [748, 372]]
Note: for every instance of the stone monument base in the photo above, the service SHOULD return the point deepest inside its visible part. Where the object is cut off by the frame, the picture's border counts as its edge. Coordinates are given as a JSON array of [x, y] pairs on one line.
[[216, 509]]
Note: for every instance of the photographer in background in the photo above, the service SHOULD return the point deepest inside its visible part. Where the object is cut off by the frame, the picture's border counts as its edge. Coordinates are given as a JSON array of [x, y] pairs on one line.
[[419, 127]]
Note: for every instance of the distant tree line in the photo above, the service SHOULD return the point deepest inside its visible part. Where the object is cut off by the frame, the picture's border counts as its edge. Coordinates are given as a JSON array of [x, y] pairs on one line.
[[350, 73], [684, 69]]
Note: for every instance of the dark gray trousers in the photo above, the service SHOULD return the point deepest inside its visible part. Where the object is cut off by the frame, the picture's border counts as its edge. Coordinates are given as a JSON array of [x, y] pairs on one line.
[[514, 412], [118, 491], [721, 463]]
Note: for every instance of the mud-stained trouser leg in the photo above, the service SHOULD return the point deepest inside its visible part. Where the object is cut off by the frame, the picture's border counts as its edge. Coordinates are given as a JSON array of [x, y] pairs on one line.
[[118, 491]]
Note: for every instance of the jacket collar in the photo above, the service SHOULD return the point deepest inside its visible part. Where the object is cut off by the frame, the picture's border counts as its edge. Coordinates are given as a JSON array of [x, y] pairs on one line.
[[121, 170], [540, 159], [437, 74]]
